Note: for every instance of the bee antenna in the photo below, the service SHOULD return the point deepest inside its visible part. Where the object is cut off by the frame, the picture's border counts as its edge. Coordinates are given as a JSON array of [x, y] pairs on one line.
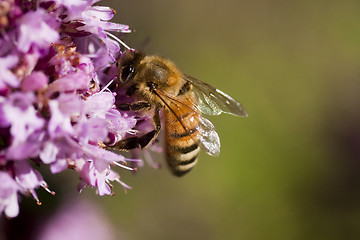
[[118, 40]]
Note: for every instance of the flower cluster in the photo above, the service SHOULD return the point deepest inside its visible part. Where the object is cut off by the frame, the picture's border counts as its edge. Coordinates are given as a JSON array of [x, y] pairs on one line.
[[53, 107]]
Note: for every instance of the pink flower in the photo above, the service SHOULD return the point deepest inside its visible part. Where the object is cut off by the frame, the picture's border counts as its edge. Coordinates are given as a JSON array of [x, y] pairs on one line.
[[35, 81], [55, 109], [41, 23], [8, 195], [7, 77], [120, 123], [77, 219], [99, 104], [28, 178]]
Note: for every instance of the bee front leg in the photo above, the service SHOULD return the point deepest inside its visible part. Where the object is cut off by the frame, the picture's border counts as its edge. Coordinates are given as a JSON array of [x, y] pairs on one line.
[[146, 139], [137, 106]]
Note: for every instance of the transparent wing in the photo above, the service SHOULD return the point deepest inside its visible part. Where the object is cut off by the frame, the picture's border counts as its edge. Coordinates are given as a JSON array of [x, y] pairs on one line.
[[209, 140], [212, 101], [207, 137]]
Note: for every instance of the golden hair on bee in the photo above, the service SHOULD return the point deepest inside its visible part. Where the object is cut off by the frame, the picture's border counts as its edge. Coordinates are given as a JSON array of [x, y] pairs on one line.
[[160, 86]]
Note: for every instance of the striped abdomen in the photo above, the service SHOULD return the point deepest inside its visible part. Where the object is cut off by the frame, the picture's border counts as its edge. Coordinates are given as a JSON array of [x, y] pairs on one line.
[[181, 149]]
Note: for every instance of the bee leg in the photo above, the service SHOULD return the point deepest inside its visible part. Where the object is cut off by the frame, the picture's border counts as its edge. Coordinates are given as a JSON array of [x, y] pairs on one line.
[[127, 144], [143, 141], [146, 139], [137, 106], [131, 142]]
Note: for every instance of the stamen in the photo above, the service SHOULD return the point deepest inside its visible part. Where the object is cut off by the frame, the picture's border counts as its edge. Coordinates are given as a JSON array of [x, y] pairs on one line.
[[133, 131], [123, 166], [108, 183], [33, 193], [150, 160], [124, 185], [118, 40], [46, 187], [133, 160], [107, 85]]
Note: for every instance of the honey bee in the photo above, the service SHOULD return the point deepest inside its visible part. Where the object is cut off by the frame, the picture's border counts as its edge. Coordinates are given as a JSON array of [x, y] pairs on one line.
[[159, 85]]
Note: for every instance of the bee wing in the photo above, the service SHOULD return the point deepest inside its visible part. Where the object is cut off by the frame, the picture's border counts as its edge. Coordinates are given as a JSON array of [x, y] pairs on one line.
[[208, 139], [212, 101]]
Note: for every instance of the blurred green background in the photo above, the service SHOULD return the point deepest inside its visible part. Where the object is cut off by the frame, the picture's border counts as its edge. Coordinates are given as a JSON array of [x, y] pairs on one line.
[[291, 170]]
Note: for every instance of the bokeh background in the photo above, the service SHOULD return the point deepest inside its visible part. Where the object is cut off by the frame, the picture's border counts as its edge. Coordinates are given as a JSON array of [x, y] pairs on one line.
[[291, 170]]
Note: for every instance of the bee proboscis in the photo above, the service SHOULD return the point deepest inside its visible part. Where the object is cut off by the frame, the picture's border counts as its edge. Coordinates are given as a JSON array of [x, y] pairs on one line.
[[159, 85]]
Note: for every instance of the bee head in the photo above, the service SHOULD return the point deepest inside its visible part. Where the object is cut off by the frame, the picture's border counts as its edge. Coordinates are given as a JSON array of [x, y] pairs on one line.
[[127, 64], [157, 71], [151, 72]]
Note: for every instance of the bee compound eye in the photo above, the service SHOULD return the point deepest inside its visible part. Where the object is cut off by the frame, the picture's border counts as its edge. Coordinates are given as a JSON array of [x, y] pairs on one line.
[[127, 72]]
